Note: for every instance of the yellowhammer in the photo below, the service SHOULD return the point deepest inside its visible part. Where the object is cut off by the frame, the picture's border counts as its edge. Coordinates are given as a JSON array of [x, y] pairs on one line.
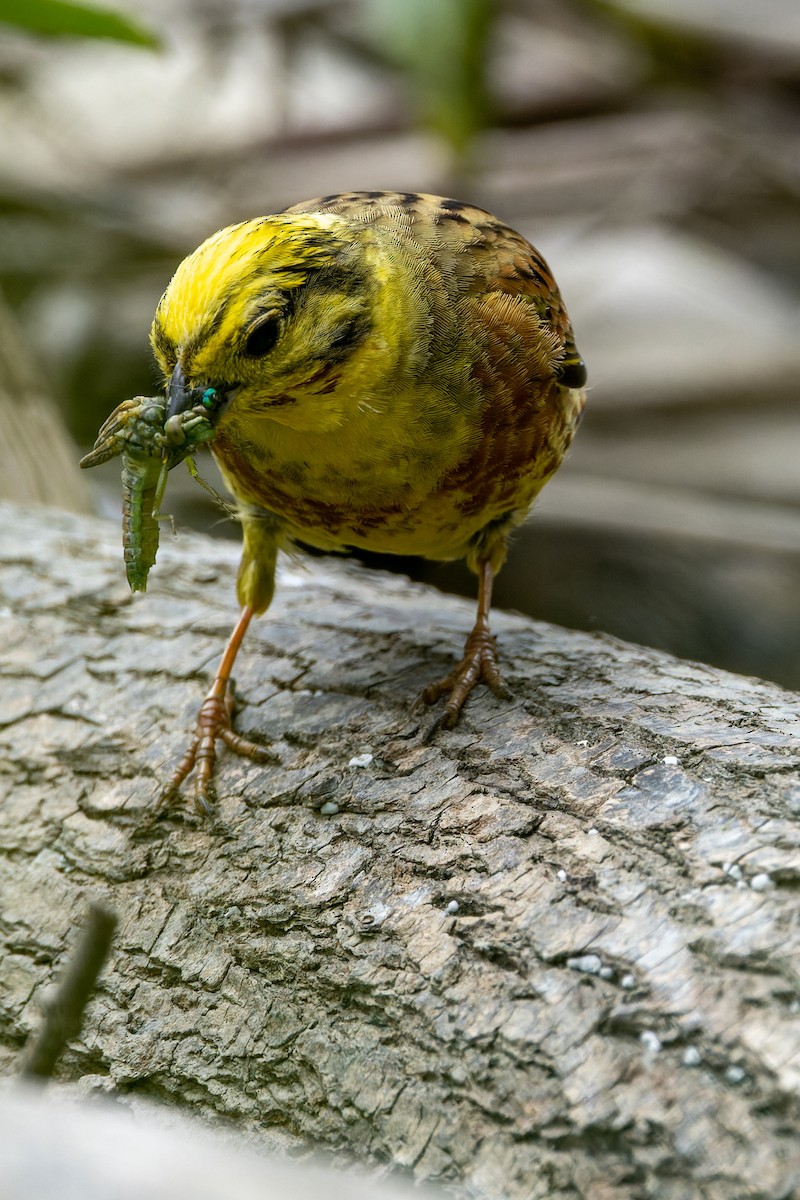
[[383, 370]]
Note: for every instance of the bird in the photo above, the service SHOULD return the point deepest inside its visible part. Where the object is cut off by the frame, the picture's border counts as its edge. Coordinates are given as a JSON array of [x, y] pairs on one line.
[[384, 371]]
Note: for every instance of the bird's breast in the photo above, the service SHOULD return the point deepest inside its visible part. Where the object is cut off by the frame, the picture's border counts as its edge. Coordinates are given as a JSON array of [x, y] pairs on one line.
[[421, 485]]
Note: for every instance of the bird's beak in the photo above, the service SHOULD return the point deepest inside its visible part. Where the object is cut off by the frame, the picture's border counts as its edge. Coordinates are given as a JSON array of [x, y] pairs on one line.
[[180, 397]]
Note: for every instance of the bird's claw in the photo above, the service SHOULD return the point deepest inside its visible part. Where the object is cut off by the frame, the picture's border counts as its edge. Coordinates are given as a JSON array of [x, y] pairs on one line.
[[214, 722], [478, 665]]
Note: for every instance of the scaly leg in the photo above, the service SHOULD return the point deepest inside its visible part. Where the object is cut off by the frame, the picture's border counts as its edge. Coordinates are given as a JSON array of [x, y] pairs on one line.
[[479, 663], [214, 720]]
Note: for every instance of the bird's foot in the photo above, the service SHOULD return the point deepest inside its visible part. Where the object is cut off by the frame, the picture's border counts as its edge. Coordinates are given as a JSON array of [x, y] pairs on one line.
[[478, 665], [214, 723]]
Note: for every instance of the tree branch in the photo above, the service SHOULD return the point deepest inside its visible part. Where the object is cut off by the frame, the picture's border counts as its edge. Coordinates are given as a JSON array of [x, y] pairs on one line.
[[64, 1013], [552, 954]]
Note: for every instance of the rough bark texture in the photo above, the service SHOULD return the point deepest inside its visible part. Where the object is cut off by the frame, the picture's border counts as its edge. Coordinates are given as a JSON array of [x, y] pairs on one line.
[[553, 953]]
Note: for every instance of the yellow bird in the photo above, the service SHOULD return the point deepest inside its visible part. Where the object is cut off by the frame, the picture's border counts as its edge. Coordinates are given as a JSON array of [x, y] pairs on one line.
[[384, 370]]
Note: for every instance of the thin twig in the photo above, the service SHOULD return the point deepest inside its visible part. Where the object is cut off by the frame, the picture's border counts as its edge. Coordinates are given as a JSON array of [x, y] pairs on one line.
[[64, 1014]]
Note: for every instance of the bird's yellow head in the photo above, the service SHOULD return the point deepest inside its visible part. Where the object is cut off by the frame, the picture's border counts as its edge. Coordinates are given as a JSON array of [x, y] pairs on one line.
[[266, 316]]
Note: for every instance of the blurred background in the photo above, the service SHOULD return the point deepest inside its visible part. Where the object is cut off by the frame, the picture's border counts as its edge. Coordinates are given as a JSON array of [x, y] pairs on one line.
[[649, 148]]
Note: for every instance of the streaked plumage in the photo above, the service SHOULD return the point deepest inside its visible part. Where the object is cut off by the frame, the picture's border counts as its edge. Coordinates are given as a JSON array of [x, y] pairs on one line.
[[395, 372]]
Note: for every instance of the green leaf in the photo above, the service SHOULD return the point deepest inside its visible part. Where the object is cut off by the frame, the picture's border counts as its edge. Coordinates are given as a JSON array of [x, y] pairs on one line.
[[57, 18]]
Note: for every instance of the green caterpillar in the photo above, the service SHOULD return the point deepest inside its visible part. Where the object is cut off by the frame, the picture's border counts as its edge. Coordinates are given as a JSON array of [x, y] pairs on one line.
[[150, 447]]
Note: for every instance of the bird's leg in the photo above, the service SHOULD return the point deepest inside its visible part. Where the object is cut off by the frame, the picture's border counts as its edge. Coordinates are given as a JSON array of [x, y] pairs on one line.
[[479, 662], [214, 720]]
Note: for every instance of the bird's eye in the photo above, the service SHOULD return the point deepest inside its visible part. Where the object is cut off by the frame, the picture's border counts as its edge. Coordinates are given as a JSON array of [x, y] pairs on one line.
[[263, 336]]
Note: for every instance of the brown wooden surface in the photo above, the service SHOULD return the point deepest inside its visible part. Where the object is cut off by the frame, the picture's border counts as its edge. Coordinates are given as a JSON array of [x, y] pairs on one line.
[[553, 953]]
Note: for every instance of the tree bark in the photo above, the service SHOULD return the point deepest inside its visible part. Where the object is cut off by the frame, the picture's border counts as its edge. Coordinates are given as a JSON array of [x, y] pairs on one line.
[[552, 953]]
